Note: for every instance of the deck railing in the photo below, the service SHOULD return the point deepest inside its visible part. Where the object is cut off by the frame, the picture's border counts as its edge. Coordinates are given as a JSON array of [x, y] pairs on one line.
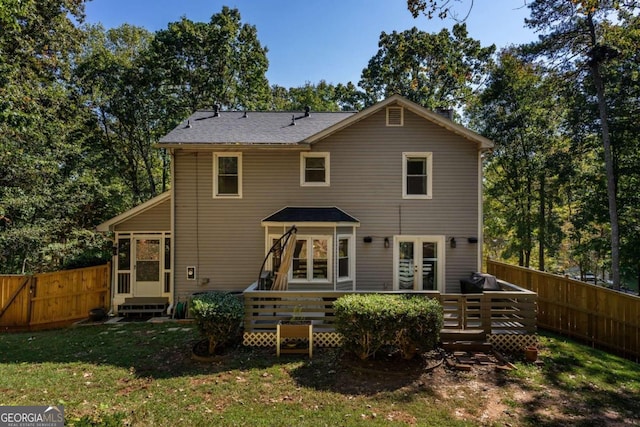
[[510, 311], [593, 314]]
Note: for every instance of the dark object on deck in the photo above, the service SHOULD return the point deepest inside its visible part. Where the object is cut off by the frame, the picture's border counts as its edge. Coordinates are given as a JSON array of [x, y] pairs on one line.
[[478, 283]]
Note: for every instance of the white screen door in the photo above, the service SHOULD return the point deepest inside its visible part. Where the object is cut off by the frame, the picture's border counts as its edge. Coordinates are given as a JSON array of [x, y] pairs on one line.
[[147, 267]]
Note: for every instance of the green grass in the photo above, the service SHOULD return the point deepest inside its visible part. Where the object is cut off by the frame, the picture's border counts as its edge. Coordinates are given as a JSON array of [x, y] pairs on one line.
[[142, 374]]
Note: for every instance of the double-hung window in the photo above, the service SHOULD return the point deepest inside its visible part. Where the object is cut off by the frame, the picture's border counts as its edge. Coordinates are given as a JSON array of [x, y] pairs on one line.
[[345, 268], [227, 175], [416, 175], [314, 169]]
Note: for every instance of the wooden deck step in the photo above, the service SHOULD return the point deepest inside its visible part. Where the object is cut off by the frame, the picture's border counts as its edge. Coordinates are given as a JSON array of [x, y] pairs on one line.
[[462, 335], [467, 346], [143, 306]]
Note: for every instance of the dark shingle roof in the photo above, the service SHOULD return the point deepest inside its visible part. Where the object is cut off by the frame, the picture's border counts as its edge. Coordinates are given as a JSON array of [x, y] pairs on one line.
[[299, 214], [254, 128]]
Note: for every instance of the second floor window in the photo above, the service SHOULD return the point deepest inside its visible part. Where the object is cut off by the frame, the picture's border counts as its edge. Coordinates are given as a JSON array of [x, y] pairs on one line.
[[416, 175], [314, 169], [227, 171]]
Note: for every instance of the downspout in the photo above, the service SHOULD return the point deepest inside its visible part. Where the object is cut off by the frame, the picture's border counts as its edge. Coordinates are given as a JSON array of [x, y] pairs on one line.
[[172, 228], [480, 211], [114, 278]]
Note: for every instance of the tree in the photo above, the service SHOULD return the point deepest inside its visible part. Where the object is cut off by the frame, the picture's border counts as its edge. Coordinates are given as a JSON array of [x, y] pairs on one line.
[[205, 64], [435, 70], [113, 72], [576, 36], [440, 8], [528, 167], [322, 96], [51, 190]]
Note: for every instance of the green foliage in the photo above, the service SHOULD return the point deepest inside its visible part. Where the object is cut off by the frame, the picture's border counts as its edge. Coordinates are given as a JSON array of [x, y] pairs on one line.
[[203, 64], [434, 70], [54, 184], [369, 322], [219, 317], [363, 321], [526, 173], [418, 325], [589, 40], [319, 97]]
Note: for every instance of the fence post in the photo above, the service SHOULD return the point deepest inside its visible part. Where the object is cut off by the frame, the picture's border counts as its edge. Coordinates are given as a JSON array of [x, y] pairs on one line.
[[485, 313], [32, 293]]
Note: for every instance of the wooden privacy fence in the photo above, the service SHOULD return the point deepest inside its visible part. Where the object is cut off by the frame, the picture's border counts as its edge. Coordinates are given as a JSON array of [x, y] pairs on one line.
[[50, 300], [596, 315]]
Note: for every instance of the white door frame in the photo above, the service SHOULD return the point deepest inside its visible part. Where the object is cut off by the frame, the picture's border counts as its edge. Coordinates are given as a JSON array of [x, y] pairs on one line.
[[417, 240]]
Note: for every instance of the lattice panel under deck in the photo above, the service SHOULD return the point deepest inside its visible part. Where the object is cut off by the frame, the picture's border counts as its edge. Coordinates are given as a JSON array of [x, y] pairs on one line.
[[512, 343], [508, 343], [327, 339], [268, 339]]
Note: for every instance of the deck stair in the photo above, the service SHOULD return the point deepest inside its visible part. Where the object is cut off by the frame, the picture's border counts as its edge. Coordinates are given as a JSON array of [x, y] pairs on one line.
[[465, 340], [143, 306]]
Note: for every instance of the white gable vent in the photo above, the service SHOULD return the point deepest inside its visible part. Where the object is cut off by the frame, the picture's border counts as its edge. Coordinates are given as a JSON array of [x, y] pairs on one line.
[[395, 116]]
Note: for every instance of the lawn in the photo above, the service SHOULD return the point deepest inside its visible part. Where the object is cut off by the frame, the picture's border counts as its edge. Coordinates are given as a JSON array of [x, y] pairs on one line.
[[142, 374]]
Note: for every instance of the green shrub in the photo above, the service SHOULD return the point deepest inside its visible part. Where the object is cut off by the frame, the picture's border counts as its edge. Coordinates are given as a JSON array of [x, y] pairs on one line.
[[368, 322], [418, 326], [363, 321], [218, 316]]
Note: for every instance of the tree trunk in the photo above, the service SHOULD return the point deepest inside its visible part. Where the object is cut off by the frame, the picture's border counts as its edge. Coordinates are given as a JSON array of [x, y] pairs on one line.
[[594, 66], [542, 224]]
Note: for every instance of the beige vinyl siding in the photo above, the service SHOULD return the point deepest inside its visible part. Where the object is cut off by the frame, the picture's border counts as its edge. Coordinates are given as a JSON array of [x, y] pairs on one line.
[[155, 219], [225, 240]]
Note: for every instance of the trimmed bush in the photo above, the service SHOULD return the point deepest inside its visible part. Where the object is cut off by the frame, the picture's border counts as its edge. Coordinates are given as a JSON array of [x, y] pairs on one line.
[[363, 321], [418, 326], [219, 317], [367, 322]]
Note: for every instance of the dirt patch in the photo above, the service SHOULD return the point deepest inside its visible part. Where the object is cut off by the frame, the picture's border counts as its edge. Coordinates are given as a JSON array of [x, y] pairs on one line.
[[474, 393]]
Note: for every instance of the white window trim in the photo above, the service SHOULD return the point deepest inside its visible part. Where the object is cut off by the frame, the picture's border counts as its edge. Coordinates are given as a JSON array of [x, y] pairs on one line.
[[352, 263], [310, 239], [217, 156], [429, 157], [327, 169], [389, 109]]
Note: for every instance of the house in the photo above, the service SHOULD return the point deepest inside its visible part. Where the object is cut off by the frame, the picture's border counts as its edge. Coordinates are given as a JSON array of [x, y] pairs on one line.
[[388, 198]]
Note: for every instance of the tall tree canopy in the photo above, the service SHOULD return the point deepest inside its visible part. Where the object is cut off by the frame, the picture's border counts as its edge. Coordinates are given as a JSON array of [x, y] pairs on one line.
[[576, 35], [525, 173], [217, 63], [112, 72], [51, 184], [435, 70]]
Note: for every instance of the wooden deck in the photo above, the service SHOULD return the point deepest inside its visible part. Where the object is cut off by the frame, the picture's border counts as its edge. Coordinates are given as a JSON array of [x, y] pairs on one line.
[[506, 318]]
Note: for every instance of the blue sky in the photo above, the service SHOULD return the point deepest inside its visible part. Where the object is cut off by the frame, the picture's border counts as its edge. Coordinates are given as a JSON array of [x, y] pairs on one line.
[[330, 40]]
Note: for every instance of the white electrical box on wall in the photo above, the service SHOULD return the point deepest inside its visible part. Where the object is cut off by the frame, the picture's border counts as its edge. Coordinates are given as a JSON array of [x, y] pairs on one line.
[[191, 272]]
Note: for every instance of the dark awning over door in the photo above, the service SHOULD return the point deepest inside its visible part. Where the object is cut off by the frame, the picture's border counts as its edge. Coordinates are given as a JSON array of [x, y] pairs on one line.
[[302, 214]]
